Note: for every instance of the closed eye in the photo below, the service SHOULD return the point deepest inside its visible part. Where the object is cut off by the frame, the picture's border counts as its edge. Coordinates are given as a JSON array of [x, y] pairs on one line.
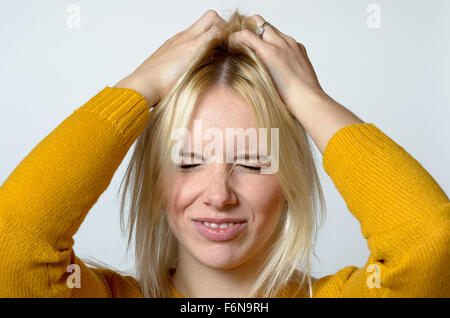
[[253, 168], [192, 166], [187, 167]]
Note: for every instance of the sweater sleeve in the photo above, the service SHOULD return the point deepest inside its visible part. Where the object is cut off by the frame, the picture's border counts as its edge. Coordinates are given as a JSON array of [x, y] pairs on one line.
[[46, 198], [403, 213]]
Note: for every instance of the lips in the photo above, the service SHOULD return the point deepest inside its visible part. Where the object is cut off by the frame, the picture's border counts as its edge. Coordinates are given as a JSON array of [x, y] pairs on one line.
[[220, 220], [219, 234]]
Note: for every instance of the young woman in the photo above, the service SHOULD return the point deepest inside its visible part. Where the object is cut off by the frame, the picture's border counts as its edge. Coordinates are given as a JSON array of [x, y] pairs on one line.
[[214, 228]]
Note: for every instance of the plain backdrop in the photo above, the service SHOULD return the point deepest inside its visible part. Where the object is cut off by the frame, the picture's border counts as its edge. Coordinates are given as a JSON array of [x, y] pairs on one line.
[[395, 76]]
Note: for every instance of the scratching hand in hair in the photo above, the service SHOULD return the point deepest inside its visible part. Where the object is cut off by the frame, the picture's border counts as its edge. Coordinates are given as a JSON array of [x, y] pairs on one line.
[[285, 59], [293, 75], [158, 73]]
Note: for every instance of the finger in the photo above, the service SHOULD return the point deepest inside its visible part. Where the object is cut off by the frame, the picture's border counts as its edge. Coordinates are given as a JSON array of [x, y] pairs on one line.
[[271, 29], [251, 40], [287, 38], [271, 34], [208, 20]]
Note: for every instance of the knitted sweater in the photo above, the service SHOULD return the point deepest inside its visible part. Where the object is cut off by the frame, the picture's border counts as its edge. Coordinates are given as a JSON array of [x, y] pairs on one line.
[[404, 214]]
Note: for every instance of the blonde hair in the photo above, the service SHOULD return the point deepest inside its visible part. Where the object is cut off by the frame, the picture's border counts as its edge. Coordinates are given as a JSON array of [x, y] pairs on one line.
[[150, 167]]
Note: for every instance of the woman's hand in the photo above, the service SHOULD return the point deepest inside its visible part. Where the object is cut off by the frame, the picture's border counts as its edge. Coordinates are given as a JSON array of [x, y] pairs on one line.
[[286, 60], [297, 83], [154, 78]]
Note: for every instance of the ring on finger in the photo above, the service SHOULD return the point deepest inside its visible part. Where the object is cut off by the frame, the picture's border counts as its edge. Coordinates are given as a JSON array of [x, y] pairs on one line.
[[260, 29]]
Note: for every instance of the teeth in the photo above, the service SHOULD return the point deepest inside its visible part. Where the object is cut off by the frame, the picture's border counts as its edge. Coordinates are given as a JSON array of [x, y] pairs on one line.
[[221, 226]]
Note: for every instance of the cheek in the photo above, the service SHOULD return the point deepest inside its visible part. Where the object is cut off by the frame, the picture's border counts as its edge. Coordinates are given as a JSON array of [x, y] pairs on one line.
[[184, 192], [265, 198]]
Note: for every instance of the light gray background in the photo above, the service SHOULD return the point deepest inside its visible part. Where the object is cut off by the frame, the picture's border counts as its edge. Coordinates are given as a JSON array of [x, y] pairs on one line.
[[395, 77]]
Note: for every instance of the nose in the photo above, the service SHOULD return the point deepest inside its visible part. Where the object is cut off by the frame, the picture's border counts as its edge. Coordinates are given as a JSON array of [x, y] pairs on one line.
[[219, 193]]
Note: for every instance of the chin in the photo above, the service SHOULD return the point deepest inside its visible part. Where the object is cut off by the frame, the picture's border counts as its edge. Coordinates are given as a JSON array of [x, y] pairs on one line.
[[220, 256]]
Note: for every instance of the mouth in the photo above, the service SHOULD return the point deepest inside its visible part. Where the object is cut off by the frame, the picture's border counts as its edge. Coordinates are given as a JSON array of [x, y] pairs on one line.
[[219, 229]]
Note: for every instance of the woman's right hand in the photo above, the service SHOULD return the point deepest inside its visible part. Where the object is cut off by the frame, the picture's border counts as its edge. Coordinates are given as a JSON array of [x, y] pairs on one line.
[[154, 78]]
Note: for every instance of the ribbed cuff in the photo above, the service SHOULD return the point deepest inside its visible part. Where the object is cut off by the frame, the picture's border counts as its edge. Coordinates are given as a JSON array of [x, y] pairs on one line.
[[126, 109]]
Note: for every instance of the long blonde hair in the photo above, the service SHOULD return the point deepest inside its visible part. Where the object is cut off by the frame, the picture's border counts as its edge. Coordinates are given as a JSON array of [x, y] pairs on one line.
[[150, 167]]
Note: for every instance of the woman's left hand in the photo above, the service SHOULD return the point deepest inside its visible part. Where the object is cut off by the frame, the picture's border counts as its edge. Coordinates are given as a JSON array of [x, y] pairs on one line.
[[287, 62]]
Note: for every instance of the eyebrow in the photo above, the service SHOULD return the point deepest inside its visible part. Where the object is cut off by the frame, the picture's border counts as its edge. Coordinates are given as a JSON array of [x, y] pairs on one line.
[[247, 156], [191, 155]]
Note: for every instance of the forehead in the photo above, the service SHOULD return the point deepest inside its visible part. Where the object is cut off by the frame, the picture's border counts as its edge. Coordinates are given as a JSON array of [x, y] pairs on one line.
[[222, 107]]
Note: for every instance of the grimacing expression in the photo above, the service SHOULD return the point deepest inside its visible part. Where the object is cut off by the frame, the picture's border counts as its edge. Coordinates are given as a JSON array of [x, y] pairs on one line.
[[222, 190]]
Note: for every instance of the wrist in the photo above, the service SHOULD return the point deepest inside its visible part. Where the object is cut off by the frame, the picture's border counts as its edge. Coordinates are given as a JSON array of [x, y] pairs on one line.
[[322, 117], [146, 89], [310, 103]]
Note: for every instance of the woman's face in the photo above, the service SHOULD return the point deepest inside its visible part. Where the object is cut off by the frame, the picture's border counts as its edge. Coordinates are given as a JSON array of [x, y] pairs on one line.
[[217, 190]]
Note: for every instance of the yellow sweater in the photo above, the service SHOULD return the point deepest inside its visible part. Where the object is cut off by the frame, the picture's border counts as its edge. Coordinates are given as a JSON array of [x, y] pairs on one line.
[[404, 214]]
